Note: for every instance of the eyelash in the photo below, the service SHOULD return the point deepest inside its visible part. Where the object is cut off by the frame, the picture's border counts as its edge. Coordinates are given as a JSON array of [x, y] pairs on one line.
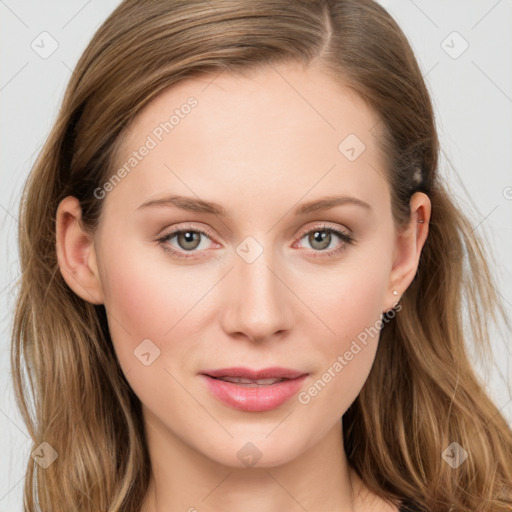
[[346, 238]]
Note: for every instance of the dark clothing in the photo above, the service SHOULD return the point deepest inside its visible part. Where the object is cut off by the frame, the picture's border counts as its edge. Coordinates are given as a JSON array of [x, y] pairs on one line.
[[409, 506]]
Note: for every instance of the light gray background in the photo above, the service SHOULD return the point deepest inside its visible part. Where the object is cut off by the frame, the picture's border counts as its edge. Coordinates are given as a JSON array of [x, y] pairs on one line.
[[472, 94]]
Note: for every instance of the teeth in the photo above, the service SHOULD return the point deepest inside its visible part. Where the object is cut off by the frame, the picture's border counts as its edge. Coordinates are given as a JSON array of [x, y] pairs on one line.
[[260, 382]]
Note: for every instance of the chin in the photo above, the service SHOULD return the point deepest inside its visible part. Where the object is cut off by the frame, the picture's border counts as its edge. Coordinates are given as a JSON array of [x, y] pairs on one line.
[[257, 451]]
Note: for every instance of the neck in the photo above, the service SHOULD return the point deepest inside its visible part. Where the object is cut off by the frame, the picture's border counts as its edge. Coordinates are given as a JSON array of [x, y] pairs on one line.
[[185, 479]]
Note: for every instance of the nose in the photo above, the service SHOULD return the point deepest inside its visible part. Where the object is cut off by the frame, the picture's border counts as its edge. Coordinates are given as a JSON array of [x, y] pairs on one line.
[[259, 304]]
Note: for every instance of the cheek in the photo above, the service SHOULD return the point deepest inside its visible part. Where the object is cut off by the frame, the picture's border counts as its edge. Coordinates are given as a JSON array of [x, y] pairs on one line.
[[145, 299], [348, 298], [144, 302], [349, 303]]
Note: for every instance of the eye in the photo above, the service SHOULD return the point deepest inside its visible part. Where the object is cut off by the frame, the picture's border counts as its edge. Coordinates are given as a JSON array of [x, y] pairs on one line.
[[187, 241], [322, 237]]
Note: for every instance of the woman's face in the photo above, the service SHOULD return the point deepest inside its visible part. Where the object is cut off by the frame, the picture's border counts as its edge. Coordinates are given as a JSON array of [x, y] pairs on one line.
[[262, 285]]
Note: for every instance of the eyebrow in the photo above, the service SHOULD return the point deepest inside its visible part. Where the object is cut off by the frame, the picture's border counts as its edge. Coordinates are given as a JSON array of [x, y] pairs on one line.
[[199, 205]]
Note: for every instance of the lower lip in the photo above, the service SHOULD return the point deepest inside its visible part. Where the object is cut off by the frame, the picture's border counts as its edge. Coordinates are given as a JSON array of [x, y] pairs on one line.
[[255, 399]]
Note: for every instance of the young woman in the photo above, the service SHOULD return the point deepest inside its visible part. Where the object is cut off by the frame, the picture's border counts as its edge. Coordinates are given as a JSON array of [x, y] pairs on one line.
[[243, 279]]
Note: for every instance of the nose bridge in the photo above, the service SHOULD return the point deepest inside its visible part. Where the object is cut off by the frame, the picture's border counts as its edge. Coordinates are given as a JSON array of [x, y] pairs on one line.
[[259, 304]]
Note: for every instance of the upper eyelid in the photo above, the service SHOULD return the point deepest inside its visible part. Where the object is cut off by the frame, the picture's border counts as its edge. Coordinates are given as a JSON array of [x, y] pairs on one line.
[[173, 231]]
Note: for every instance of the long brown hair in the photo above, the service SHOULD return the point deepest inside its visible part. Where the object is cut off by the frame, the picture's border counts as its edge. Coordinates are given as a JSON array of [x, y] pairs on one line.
[[422, 393]]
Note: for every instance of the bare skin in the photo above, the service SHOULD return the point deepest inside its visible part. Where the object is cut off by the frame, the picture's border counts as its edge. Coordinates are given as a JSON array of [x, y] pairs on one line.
[[260, 146]]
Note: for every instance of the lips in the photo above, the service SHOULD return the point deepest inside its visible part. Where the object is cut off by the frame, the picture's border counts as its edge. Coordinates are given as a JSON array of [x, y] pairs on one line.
[[249, 382], [253, 390], [275, 372]]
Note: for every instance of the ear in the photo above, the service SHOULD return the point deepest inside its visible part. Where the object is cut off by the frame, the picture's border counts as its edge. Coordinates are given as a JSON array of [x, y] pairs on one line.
[[75, 252], [409, 243]]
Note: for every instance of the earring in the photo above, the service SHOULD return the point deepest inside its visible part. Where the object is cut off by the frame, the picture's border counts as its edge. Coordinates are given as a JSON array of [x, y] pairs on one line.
[[395, 292]]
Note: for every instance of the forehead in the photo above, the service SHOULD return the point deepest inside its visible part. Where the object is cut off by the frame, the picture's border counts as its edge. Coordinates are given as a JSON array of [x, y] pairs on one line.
[[281, 126]]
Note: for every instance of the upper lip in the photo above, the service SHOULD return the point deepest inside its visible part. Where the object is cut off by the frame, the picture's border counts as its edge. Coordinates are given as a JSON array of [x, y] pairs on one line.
[[274, 372]]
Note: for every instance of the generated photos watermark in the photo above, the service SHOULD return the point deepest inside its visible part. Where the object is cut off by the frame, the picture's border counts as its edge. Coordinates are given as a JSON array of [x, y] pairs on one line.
[[304, 397], [152, 140]]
